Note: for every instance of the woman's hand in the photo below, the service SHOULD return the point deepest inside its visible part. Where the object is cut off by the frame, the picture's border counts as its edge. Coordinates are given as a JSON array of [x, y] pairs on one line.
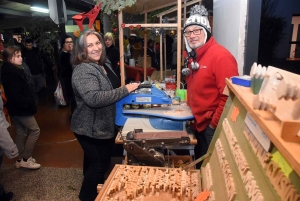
[[131, 87]]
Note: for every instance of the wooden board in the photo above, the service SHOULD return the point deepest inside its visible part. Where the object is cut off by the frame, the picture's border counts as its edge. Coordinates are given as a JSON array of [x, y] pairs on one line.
[[176, 112], [118, 139]]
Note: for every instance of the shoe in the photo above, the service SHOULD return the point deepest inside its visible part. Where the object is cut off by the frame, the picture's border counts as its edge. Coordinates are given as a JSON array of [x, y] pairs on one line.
[[17, 163], [7, 196], [30, 164]]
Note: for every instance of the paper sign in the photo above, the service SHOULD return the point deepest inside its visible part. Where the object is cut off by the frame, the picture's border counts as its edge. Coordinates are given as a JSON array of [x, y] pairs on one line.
[[235, 112], [282, 163], [258, 132]]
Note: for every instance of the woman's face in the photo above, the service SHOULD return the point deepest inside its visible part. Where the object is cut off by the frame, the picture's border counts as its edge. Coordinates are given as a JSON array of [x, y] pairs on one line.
[[108, 42], [94, 48], [16, 59], [68, 45]]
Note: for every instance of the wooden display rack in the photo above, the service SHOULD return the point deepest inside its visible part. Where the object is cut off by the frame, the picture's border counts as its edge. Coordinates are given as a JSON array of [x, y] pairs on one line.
[[239, 168], [272, 124], [279, 94], [144, 183]]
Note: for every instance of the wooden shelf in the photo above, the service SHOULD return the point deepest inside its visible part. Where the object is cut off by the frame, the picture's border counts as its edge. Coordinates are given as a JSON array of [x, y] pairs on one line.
[[269, 124]]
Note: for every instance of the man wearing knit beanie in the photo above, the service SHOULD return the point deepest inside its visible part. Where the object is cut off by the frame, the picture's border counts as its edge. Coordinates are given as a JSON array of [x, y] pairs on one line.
[[207, 65]]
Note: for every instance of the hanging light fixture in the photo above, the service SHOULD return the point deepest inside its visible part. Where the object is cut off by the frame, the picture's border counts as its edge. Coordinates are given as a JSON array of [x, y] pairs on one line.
[[38, 9]]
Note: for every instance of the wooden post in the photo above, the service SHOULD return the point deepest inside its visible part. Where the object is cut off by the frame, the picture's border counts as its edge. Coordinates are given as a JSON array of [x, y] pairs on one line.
[[165, 55], [160, 53], [145, 48], [121, 46], [178, 43]]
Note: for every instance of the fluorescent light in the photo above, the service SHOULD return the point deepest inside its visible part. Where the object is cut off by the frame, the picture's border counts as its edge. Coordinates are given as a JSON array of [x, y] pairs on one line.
[[38, 9]]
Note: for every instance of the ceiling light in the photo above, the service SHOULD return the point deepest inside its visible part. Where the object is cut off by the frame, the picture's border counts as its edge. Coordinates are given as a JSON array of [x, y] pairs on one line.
[[38, 9]]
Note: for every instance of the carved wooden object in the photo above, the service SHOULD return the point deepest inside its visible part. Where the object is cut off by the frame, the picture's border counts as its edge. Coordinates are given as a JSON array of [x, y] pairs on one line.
[[143, 183]]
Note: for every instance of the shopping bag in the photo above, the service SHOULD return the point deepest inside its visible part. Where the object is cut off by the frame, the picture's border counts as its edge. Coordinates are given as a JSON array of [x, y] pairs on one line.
[[59, 96]]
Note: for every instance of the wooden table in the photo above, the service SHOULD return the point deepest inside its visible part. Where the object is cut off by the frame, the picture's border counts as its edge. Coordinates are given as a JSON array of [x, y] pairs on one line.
[[190, 147]]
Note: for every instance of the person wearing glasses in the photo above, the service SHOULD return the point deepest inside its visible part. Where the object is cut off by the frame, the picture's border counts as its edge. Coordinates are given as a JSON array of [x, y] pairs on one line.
[[65, 67], [207, 65]]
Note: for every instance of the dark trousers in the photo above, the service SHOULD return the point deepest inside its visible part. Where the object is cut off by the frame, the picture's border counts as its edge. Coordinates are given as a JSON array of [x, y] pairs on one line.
[[97, 157], [1, 187], [203, 141]]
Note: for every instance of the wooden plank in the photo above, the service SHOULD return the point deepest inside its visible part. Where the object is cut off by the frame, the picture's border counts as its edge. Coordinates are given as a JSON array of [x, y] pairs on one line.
[[269, 124], [118, 139]]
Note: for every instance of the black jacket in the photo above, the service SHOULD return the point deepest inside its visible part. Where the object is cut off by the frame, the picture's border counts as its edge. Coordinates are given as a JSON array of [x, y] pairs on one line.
[[113, 54], [20, 99]]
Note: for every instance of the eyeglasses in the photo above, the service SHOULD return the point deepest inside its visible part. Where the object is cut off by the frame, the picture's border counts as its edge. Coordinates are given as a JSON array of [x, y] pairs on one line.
[[195, 32], [69, 42]]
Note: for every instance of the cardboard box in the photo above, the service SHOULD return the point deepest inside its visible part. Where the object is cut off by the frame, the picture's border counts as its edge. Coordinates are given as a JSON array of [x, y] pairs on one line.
[[141, 62]]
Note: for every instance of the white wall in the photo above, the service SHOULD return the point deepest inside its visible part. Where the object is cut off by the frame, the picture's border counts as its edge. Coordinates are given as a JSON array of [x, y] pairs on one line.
[[229, 27]]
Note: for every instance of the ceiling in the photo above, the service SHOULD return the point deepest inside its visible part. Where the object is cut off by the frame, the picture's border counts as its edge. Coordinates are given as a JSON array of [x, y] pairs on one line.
[[10, 10]]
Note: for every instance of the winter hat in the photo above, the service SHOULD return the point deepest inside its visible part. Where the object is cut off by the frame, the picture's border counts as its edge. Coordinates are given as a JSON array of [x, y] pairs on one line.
[[199, 18]]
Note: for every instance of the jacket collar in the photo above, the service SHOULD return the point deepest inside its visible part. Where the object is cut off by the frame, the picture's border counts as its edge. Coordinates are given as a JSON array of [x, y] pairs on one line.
[[201, 50]]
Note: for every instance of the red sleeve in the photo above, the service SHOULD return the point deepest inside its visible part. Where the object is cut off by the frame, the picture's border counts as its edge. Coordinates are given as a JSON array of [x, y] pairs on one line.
[[226, 67], [218, 113]]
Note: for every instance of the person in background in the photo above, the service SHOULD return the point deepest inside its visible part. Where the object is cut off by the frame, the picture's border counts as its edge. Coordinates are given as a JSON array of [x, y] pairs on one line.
[[112, 53], [136, 46], [169, 43], [34, 60], [21, 106], [93, 121], [6, 145], [151, 53], [208, 65], [65, 68]]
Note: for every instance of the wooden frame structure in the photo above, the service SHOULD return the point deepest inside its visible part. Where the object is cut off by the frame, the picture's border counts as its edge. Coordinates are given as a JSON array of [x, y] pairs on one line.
[[179, 34], [160, 15]]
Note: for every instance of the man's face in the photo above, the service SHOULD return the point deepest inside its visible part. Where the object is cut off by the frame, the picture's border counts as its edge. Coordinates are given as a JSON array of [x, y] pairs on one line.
[[28, 46], [195, 36]]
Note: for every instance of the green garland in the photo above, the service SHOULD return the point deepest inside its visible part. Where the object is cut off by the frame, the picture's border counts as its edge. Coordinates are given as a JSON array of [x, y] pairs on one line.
[[108, 6]]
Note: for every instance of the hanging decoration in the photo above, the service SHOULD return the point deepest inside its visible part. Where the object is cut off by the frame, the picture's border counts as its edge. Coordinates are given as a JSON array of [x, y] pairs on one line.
[[123, 25], [138, 26], [131, 27], [161, 31], [92, 14], [156, 32], [108, 6], [115, 30], [165, 20], [172, 32]]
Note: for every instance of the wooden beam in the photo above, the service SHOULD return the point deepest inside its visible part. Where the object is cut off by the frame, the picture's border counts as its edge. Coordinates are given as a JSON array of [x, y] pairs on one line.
[[176, 7], [178, 77], [145, 49], [121, 46], [153, 25]]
